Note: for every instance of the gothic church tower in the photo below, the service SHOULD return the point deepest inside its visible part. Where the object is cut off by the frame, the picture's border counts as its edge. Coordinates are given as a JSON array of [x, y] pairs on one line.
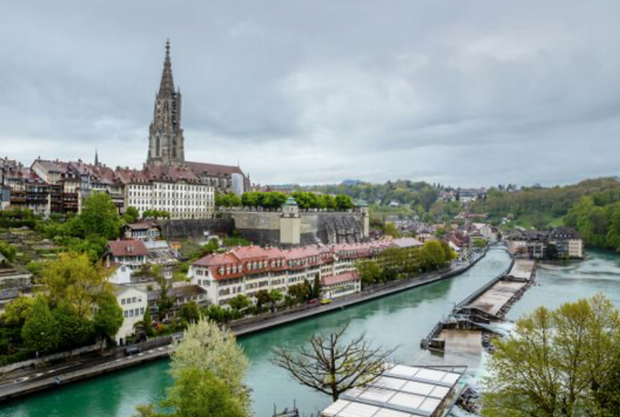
[[166, 143]]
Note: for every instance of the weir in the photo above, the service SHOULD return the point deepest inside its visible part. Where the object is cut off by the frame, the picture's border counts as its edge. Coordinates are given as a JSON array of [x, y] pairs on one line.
[[468, 325]]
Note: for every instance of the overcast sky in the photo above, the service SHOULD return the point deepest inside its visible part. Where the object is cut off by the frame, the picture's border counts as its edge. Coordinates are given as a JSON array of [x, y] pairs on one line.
[[459, 92]]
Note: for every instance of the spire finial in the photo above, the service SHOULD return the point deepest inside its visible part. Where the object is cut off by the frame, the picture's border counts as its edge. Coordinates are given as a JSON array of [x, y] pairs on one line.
[[167, 84]]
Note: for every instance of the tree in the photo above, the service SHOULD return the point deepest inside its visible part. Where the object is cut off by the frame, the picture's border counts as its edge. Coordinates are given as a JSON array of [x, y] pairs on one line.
[[73, 330], [432, 255], [370, 272], [189, 312], [557, 363], [40, 331], [239, 302], [390, 229], [197, 392], [299, 292], [108, 319], [275, 297], [332, 367], [206, 347], [8, 251], [74, 280], [131, 215], [262, 298], [316, 287], [100, 217], [344, 202], [146, 324]]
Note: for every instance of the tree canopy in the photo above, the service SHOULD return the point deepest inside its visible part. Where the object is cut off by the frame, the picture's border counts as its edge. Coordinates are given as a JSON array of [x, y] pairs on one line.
[[557, 363]]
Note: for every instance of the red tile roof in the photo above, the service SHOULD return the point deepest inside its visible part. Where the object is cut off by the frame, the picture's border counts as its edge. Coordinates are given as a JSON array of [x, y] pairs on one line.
[[127, 248], [203, 168], [340, 278]]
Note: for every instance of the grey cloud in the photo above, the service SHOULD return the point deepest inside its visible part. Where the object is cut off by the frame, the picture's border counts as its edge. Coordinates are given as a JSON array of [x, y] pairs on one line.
[[461, 92]]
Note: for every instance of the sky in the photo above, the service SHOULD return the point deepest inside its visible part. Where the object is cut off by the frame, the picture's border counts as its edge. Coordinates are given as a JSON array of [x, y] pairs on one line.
[[460, 92]]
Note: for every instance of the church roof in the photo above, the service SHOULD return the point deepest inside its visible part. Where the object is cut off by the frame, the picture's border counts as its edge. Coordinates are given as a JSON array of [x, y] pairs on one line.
[[205, 168]]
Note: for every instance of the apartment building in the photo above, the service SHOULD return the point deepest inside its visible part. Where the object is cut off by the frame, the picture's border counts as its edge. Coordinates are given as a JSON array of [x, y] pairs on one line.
[[247, 270]]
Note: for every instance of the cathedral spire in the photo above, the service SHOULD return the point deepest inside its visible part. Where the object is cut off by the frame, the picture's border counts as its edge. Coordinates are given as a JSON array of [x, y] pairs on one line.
[[166, 87], [166, 143]]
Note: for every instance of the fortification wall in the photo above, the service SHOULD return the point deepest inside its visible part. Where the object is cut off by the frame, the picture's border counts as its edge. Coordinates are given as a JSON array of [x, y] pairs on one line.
[[195, 228]]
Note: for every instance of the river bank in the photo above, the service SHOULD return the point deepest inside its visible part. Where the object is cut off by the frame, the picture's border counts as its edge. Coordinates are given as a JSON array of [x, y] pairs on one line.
[[43, 379]]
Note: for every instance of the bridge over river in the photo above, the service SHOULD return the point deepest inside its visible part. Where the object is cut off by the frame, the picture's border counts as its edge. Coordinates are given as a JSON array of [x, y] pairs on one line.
[[401, 319]]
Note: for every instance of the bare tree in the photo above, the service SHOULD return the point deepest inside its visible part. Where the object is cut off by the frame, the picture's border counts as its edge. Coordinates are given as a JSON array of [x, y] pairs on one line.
[[331, 366]]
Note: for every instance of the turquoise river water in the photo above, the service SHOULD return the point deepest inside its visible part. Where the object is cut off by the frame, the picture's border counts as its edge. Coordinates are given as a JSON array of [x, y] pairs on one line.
[[399, 320]]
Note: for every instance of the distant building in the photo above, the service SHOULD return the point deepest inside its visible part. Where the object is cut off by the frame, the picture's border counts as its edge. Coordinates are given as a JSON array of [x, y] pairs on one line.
[[145, 231], [560, 243]]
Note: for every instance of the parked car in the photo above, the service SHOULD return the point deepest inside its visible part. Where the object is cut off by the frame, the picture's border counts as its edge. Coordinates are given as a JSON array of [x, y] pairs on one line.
[[313, 301], [325, 301], [132, 350]]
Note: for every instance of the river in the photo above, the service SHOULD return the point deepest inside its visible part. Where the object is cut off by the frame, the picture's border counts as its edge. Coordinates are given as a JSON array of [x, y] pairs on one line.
[[399, 320]]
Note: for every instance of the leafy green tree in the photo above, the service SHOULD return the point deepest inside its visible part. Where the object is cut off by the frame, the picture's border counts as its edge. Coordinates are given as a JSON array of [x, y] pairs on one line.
[[275, 297], [197, 392], [557, 363], [147, 324], [73, 330], [131, 215], [206, 347], [262, 298], [74, 280], [344, 202], [40, 332], [370, 272], [108, 319], [190, 312], [217, 314], [100, 217], [449, 253], [432, 255], [390, 229], [8, 251], [11, 323], [239, 302], [316, 287], [300, 292]]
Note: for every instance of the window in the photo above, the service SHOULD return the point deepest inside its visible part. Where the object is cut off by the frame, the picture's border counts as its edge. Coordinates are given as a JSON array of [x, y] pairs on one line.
[[122, 301], [126, 313]]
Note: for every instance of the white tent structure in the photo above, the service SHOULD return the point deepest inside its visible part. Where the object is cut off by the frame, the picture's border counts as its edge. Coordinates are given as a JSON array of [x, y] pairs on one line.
[[402, 391]]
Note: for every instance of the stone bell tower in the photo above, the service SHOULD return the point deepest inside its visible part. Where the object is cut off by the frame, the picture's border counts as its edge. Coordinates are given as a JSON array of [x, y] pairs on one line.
[[166, 142]]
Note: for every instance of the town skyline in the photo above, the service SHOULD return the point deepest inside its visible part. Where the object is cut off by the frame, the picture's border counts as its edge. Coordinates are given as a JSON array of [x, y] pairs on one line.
[[278, 95]]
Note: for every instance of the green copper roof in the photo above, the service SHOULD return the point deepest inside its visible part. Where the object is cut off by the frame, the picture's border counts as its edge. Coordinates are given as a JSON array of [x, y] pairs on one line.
[[290, 202]]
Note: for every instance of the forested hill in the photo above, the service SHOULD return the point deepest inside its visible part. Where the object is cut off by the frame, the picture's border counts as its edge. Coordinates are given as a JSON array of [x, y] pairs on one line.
[[591, 206], [597, 217]]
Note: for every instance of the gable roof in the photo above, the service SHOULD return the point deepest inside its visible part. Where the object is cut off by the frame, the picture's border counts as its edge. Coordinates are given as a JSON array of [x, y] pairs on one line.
[[127, 248]]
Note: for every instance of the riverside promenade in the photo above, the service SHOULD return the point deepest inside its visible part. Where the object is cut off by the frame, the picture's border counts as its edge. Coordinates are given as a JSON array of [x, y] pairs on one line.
[[40, 379]]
